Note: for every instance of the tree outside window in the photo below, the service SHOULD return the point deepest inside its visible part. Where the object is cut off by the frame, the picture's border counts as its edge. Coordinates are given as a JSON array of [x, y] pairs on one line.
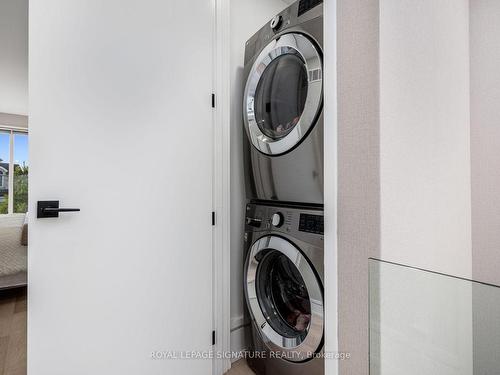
[[13, 173]]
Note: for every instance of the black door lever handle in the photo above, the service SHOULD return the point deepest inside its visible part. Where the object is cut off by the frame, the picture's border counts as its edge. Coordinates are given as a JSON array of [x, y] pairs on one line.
[[51, 209]]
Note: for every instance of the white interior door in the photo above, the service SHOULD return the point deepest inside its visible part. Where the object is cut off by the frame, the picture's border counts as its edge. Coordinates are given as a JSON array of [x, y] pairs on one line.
[[120, 127]]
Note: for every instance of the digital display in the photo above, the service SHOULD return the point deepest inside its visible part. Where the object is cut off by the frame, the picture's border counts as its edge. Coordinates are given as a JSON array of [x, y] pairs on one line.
[[305, 5], [311, 223]]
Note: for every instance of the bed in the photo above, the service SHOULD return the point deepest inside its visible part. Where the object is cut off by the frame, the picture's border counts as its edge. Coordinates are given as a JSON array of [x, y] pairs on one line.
[[13, 251]]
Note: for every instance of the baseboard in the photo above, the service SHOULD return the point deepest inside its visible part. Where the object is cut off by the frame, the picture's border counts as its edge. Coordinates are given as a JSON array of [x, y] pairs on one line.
[[238, 341], [239, 335], [237, 322]]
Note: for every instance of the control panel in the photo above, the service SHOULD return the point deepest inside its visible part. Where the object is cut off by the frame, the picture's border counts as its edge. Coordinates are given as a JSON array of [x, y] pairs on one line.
[[306, 10], [284, 219]]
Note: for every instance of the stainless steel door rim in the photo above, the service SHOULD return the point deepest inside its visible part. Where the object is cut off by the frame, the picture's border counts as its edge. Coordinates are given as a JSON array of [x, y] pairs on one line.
[[296, 347], [287, 44]]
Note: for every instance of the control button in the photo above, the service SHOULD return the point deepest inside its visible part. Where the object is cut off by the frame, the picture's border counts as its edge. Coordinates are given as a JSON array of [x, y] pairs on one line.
[[277, 219], [276, 22]]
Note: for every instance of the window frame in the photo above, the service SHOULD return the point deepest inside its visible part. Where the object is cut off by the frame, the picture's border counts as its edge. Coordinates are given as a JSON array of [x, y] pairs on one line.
[[11, 130]]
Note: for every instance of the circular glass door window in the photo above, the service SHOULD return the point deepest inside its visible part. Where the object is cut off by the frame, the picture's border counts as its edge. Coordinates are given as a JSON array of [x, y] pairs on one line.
[[283, 295], [281, 95]]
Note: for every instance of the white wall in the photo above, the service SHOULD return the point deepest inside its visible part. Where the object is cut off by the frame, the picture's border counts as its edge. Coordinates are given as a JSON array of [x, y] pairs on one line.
[[404, 172], [247, 17], [14, 57], [425, 134], [485, 155], [425, 183], [485, 138]]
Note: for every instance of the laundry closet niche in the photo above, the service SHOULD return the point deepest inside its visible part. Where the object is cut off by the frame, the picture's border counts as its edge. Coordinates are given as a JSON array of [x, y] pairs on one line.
[[246, 18]]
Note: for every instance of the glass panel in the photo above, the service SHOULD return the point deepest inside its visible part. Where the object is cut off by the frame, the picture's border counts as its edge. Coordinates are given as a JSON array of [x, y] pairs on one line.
[[4, 171], [281, 95], [20, 173], [425, 323], [282, 295]]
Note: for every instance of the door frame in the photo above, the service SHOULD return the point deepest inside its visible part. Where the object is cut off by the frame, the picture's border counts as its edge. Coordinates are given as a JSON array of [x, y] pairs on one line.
[[222, 187], [222, 157], [330, 156]]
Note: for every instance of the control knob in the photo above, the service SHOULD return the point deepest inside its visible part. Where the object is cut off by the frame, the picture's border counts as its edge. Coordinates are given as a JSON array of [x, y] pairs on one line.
[[276, 22], [277, 219]]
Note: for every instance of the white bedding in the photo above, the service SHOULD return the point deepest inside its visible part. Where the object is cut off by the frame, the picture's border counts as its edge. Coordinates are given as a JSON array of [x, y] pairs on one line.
[[13, 256]]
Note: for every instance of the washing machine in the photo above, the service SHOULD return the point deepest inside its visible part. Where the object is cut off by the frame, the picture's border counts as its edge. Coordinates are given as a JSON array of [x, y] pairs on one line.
[[283, 107], [283, 287]]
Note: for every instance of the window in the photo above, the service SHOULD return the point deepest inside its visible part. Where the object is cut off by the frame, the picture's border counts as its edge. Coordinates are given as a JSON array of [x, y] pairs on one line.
[[20, 173], [13, 172], [4, 168]]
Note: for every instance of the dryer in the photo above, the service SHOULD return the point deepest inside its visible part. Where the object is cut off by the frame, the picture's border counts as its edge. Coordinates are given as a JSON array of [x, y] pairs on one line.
[[283, 107], [283, 287]]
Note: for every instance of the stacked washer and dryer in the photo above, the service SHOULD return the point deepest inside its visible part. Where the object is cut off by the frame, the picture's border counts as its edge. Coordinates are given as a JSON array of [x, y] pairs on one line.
[[283, 146]]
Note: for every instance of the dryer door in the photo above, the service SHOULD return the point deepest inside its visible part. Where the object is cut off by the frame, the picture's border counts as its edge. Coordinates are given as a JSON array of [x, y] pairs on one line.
[[283, 94], [285, 298]]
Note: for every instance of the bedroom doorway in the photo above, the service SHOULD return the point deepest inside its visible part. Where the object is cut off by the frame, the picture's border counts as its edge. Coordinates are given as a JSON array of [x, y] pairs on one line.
[[14, 167], [13, 206]]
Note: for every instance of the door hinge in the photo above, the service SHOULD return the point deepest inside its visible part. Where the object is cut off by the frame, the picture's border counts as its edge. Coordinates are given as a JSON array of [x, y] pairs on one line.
[[213, 100], [213, 218], [213, 337]]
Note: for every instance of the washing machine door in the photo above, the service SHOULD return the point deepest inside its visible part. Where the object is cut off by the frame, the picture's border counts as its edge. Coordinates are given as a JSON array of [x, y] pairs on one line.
[[285, 298], [283, 94]]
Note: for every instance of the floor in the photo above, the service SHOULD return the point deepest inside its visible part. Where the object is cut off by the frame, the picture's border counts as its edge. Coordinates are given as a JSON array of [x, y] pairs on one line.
[[240, 368], [13, 309]]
